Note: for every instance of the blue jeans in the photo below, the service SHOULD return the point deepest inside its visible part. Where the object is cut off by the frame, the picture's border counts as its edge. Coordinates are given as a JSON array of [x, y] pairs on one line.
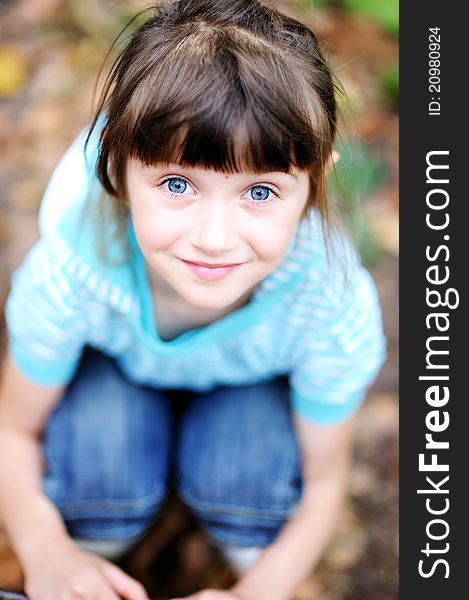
[[113, 449]]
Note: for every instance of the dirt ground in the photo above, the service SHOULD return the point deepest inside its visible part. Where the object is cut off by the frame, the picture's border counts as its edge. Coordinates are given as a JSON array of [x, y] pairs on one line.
[[50, 52]]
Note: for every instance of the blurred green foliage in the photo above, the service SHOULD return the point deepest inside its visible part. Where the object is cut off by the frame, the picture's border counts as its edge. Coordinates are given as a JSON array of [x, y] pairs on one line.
[[351, 183], [383, 12], [318, 3], [388, 84]]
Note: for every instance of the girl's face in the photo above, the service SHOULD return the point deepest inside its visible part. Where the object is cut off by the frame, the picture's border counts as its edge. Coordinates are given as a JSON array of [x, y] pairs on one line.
[[209, 237]]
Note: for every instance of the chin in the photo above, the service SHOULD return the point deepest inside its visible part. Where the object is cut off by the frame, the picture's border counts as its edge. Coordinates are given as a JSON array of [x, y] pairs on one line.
[[215, 299]]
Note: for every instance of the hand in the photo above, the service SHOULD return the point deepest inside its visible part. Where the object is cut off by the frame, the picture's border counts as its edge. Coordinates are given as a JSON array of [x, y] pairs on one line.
[[215, 595], [72, 574]]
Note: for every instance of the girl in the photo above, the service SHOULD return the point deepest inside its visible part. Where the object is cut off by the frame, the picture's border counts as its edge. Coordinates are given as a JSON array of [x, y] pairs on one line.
[[190, 318]]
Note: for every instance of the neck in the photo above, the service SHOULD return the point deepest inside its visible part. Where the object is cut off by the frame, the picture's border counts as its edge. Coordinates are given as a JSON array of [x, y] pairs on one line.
[[174, 315]]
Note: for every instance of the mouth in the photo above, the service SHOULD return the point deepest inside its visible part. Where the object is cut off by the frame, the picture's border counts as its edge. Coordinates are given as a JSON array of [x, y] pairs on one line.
[[211, 271]]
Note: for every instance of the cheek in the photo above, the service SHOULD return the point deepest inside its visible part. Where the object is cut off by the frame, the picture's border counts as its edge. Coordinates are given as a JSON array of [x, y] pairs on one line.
[[156, 230], [271, 240]]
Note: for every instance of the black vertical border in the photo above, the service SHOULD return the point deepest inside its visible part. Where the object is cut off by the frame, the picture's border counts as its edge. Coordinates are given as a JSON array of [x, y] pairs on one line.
[[420, 134]]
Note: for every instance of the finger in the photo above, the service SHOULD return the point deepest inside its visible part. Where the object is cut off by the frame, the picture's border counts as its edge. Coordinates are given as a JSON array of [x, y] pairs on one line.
[[106, 593], [95, 587], [126, 586]]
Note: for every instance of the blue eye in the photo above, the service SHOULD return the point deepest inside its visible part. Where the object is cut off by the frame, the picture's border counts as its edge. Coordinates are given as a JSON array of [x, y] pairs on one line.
[[176, 185], [260, 193]]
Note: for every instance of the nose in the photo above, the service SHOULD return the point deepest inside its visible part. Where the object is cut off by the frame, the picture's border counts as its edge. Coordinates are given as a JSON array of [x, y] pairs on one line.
[[214, 229]]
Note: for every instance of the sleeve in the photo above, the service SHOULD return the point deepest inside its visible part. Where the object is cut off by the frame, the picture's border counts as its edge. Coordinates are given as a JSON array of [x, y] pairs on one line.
[[71, 182], [46, 328], [341, 351]]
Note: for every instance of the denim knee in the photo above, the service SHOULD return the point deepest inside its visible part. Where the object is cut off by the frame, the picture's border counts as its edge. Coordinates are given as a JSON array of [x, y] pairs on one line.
[[239, 466], [107, 449]]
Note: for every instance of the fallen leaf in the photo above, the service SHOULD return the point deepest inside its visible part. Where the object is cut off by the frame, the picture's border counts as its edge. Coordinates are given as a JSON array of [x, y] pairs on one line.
[[11, 575], [311, 589], [13, 72]]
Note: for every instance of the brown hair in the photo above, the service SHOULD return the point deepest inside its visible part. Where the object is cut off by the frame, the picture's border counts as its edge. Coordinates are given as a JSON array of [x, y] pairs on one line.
[[228, 85]]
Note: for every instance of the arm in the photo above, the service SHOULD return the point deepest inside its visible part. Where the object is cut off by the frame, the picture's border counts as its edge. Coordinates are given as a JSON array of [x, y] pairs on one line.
[[52, 564], [298, 548]]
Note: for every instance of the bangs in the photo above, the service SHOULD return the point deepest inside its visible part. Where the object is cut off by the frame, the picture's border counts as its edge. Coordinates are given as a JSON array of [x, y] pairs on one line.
[[224, 136], [211, 102]]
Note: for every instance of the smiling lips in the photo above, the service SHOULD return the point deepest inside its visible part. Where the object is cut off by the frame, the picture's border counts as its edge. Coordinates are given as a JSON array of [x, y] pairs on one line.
[[211, 272]]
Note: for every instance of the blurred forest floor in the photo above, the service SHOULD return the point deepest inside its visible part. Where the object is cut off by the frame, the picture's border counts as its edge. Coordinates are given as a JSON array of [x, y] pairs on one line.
[[50, 53]]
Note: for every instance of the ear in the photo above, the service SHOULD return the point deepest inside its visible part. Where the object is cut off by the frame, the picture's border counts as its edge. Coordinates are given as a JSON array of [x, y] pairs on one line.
[[332, 160], [111, 172]]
